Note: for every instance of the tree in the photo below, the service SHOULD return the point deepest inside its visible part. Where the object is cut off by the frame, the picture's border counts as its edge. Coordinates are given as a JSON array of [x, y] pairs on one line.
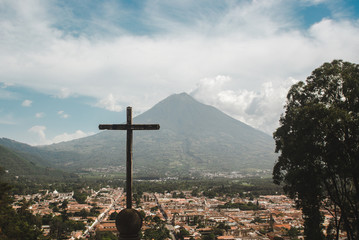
[[57, 227], [181, 195], [318, 142], [223, 226], [94, 211], [83, 213], [158, 232], [105, 236], [46, 219], [195, 192], [293, 233], [80, 196], [209, 236], [142, 214], [64, 204], [182, 233], [156, 219], [113, 216], [13, 224], [61, 227]]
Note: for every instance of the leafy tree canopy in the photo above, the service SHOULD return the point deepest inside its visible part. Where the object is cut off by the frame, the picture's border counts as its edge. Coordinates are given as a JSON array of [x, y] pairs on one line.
[[16, 224], [318, 142]]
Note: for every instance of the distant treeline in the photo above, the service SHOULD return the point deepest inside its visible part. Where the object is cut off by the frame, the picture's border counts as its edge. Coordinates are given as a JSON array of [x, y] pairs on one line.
[[208, 187], [212, 188]]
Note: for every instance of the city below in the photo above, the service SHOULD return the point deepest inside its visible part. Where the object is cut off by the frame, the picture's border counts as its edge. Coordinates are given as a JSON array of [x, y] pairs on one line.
[[175, 214]]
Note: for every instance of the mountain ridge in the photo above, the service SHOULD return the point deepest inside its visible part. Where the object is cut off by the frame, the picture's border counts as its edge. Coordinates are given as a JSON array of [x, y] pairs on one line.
[[193, 136]]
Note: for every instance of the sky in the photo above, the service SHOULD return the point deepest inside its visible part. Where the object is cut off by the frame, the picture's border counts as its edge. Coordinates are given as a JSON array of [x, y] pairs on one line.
[[67, 66]]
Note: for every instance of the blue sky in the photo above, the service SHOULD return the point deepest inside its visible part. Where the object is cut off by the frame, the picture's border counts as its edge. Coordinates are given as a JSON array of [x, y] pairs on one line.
[[66, 66]]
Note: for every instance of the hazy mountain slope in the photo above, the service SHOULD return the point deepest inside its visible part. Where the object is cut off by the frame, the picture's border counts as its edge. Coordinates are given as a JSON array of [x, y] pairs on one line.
[[192, 135], [28, 152], [15, 164], [20, 164]]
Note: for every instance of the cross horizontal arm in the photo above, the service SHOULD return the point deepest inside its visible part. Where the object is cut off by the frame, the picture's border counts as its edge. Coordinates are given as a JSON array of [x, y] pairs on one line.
[[129, 126]]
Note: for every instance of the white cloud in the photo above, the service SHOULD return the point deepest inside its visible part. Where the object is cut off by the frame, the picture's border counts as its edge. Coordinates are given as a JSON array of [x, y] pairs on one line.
[[62, 114], [110, 103], [43, 140], [254, 43], [260, 109], [40, 115], [40, 132], [70, 136], [63, 93], [314, 1], [26, 103]]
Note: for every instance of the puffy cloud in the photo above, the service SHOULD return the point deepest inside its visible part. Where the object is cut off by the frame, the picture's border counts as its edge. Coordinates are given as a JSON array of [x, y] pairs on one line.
[[110, 103], [260, 109], [260, 45], [26, 103], [40, 132]]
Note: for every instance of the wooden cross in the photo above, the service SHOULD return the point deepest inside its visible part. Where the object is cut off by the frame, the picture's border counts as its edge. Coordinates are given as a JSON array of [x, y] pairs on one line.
[[129, 127]]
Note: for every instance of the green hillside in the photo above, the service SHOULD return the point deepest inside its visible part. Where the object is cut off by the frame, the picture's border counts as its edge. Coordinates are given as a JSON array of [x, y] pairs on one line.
[[20, 165], [15, 164], [26, 151]]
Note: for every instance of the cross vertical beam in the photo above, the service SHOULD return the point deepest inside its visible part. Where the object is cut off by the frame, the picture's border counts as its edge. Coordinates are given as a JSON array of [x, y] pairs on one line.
[[129, 143], [129, 127]]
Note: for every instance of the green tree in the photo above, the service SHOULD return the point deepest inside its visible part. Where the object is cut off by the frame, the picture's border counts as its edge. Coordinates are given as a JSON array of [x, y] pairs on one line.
[[57, 228], [94, 211], [61, 227], [64, 204], [83, 213], [142, 214], [217, 231], [182, 233], [80, 196], [223, 226], [154, 209], [210, 236], [156, 219], [318, 142], [16, 225], [195, 192], [46, 219], [113, 216], [181, 195], [158, 232], [105, 236], [293, 233]]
